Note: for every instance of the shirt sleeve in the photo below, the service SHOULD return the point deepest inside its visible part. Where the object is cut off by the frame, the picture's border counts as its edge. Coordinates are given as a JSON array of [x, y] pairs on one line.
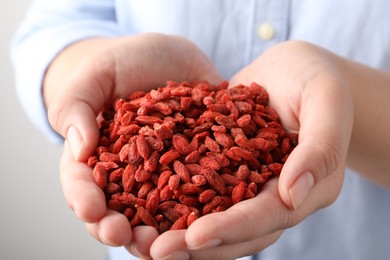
[[50, 26]]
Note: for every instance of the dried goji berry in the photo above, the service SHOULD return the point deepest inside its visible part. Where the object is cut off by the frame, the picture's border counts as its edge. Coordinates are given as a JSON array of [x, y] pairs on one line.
[[171, 155]]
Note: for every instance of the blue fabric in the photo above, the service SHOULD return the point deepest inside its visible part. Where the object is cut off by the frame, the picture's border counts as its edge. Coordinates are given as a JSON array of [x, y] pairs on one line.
[[356, 225]]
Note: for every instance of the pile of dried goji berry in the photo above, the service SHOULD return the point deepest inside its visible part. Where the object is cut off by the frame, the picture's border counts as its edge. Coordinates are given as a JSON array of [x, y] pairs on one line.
[[171, 155]]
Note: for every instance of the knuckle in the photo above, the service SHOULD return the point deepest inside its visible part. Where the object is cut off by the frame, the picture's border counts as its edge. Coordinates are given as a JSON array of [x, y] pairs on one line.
[[55, 113], [330, 154], [287, 220]]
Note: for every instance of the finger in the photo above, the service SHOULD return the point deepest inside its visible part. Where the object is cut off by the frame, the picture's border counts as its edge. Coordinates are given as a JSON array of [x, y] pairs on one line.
[[234, 251], [171, 245], [80, 190], [113, 229], [325, 126], [250, 219], [143, 237], [240, 222]]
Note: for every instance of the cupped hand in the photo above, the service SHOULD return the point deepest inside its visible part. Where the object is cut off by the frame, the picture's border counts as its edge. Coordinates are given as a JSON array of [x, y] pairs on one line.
[[124, 65], [312, 98]]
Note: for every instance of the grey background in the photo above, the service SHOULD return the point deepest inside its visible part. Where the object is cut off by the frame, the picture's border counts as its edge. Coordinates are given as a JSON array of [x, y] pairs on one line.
[[35, 221]]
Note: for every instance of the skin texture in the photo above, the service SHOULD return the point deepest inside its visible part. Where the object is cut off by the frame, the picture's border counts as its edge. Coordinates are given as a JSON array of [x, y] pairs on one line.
[[312, 89]]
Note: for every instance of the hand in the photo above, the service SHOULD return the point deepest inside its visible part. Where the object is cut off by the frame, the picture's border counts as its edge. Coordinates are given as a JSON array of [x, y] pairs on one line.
[[110, 68], [312, 98]]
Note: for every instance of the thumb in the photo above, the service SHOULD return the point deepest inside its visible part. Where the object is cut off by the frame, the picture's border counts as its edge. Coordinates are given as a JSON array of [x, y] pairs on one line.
[[308, 164], [76, 122], [74, 110], [325, 126]]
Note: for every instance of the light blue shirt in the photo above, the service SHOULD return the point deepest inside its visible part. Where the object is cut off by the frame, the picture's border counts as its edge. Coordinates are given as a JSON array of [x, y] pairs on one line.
[[233, 33]]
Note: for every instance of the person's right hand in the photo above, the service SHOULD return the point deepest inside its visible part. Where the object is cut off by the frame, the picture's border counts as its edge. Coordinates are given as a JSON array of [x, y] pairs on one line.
[[75, 93]]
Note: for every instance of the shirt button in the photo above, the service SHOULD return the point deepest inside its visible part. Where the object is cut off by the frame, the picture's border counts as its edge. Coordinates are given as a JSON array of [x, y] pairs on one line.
[[266, 31]]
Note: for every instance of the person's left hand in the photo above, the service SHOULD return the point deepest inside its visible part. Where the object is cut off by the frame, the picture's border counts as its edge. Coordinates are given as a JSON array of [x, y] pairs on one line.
[[312, 98]]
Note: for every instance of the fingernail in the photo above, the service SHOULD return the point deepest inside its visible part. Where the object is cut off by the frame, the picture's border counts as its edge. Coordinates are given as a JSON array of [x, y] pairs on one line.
[[301, 188], [208, 244], [74, 139], [177, 255]]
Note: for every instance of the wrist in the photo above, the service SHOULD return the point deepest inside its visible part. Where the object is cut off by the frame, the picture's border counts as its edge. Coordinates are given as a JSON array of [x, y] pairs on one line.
[[368, 151]]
